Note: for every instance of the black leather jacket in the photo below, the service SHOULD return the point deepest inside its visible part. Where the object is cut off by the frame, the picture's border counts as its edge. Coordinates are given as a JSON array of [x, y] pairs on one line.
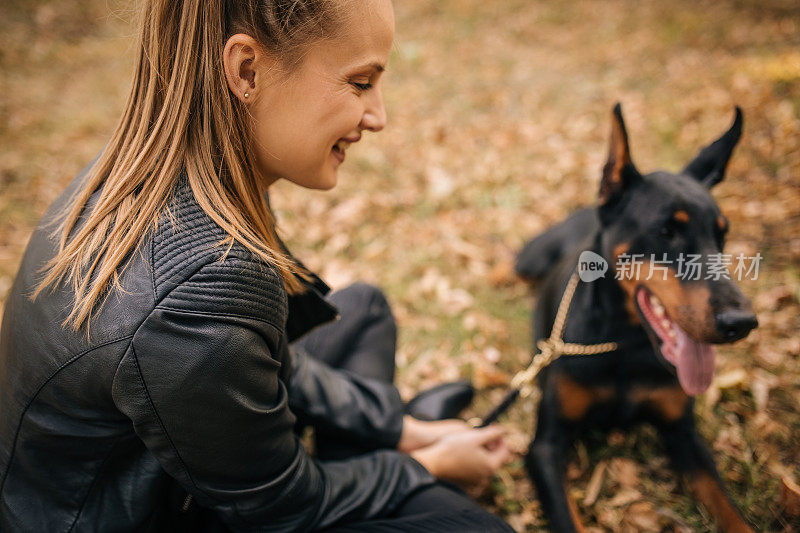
[[187, 375]]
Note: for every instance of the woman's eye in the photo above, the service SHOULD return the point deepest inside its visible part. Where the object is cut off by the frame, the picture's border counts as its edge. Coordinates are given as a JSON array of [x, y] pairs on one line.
[[361, 86]]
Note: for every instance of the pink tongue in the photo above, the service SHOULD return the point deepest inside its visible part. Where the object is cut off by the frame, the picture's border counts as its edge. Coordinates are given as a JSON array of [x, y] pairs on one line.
[[694, 361]]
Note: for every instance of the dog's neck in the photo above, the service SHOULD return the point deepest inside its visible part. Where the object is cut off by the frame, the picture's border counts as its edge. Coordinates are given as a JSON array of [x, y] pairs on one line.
[[599, 310]]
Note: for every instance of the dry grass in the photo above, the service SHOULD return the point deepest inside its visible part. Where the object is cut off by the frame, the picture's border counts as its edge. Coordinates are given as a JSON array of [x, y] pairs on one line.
[[498, 123]]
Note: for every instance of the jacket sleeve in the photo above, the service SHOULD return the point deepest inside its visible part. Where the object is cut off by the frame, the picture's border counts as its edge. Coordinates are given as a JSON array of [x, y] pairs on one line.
[[353, 407], [201, 384]]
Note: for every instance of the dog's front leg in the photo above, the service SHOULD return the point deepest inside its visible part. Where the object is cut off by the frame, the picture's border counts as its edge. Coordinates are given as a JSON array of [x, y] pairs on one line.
[[691, 458], [546, 465]]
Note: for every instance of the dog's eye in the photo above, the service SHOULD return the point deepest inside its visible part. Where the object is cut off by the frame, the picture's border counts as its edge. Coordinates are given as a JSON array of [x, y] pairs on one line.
[[667, 231], [720, 235]]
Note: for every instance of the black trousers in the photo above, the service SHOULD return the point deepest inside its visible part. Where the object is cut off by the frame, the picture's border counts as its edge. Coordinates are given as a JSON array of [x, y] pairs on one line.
[[364, 341]]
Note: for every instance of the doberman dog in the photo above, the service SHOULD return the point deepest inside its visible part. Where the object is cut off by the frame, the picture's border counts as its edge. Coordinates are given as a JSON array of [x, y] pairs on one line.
[[664, 326]]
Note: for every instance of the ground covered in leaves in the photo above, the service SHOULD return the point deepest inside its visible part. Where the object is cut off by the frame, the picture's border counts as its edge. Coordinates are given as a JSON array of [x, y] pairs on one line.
[[498, 119]]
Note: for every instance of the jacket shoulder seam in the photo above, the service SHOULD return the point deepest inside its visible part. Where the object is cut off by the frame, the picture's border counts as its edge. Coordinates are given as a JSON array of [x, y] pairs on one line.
[[219, 314], [163, 427]]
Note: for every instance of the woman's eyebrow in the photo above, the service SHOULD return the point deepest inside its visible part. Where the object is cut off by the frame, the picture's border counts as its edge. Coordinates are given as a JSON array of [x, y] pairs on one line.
[[375, 66]]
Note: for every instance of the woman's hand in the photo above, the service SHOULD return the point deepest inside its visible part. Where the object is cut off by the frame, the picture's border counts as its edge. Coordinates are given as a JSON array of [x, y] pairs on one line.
[[468, 457], [420, 433]]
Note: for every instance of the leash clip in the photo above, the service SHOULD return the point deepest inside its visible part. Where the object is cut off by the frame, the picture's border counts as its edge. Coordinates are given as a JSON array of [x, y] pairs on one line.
[[550, 349]]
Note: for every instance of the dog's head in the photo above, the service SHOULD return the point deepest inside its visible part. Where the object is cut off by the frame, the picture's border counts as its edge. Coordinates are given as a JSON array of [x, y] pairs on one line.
[[664, 234]]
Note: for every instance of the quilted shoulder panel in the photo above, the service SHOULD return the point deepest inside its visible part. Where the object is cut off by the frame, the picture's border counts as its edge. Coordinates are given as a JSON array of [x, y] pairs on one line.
[[180, 248], [233, 287], [190, 274]]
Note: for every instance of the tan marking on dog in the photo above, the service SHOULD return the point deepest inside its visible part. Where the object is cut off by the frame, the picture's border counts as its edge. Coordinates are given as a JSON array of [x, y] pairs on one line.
[[621, 248], [686, 304], [681, 216], [630, 304], [575, 399], [669, 402], [709, 492], [722, 223]]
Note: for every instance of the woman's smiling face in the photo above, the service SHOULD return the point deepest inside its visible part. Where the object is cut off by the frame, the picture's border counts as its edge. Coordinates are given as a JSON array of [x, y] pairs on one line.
[[305, 119]]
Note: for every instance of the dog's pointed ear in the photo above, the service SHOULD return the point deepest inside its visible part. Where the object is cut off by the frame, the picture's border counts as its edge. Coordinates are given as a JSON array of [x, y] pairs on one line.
[[618, 172], [709, 165]]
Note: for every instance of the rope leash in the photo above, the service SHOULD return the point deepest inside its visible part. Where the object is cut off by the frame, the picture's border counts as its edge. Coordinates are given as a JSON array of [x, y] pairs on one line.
[[550, 349]]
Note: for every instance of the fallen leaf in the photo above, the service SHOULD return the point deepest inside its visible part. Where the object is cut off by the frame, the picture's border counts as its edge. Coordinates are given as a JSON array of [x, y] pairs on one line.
[[774, 298], [610, 518], [712, 396], [790, 347], [455, 300], [625, 472], [440, 183], [761, 384], [574, 472], [790, 497], [487, 375], [502, 274], [768, 355], [731, 378], [642, 516], [679, 525], [595, 484], [625, 497], [492, 355], [616, 438]]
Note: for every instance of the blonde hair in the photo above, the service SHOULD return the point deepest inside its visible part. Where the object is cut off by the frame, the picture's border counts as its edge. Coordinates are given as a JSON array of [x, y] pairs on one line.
[[180, 116]]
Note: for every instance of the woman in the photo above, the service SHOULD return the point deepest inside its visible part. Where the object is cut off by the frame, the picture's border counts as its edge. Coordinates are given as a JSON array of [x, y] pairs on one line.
[[149, 367]]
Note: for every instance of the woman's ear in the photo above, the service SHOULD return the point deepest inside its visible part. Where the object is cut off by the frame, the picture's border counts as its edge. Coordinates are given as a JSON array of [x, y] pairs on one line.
[[241, 57]]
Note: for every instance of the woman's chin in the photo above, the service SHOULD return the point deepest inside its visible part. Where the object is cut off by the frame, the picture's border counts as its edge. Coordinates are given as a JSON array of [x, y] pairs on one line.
[[322, 181], [330, 181], [328, 178], [327, 181]]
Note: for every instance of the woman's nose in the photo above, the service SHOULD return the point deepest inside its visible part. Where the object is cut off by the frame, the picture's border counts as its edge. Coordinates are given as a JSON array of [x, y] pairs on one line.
[[374, 118]]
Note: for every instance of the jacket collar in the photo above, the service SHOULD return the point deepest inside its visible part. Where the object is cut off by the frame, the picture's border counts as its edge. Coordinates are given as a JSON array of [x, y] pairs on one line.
[[309, 308]]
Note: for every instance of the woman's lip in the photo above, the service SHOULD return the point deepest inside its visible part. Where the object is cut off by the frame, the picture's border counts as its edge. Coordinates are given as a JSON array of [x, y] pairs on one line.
[[339, 154]]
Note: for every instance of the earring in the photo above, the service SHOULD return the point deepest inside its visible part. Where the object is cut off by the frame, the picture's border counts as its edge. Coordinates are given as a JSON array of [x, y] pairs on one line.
[[247, 95]]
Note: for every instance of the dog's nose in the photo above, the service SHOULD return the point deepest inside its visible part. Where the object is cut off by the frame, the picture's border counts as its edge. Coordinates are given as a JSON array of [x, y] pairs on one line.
[[735, 324]]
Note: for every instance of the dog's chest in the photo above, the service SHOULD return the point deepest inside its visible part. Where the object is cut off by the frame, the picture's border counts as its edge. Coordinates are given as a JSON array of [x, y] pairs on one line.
[[615, 390], [618, 405]]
